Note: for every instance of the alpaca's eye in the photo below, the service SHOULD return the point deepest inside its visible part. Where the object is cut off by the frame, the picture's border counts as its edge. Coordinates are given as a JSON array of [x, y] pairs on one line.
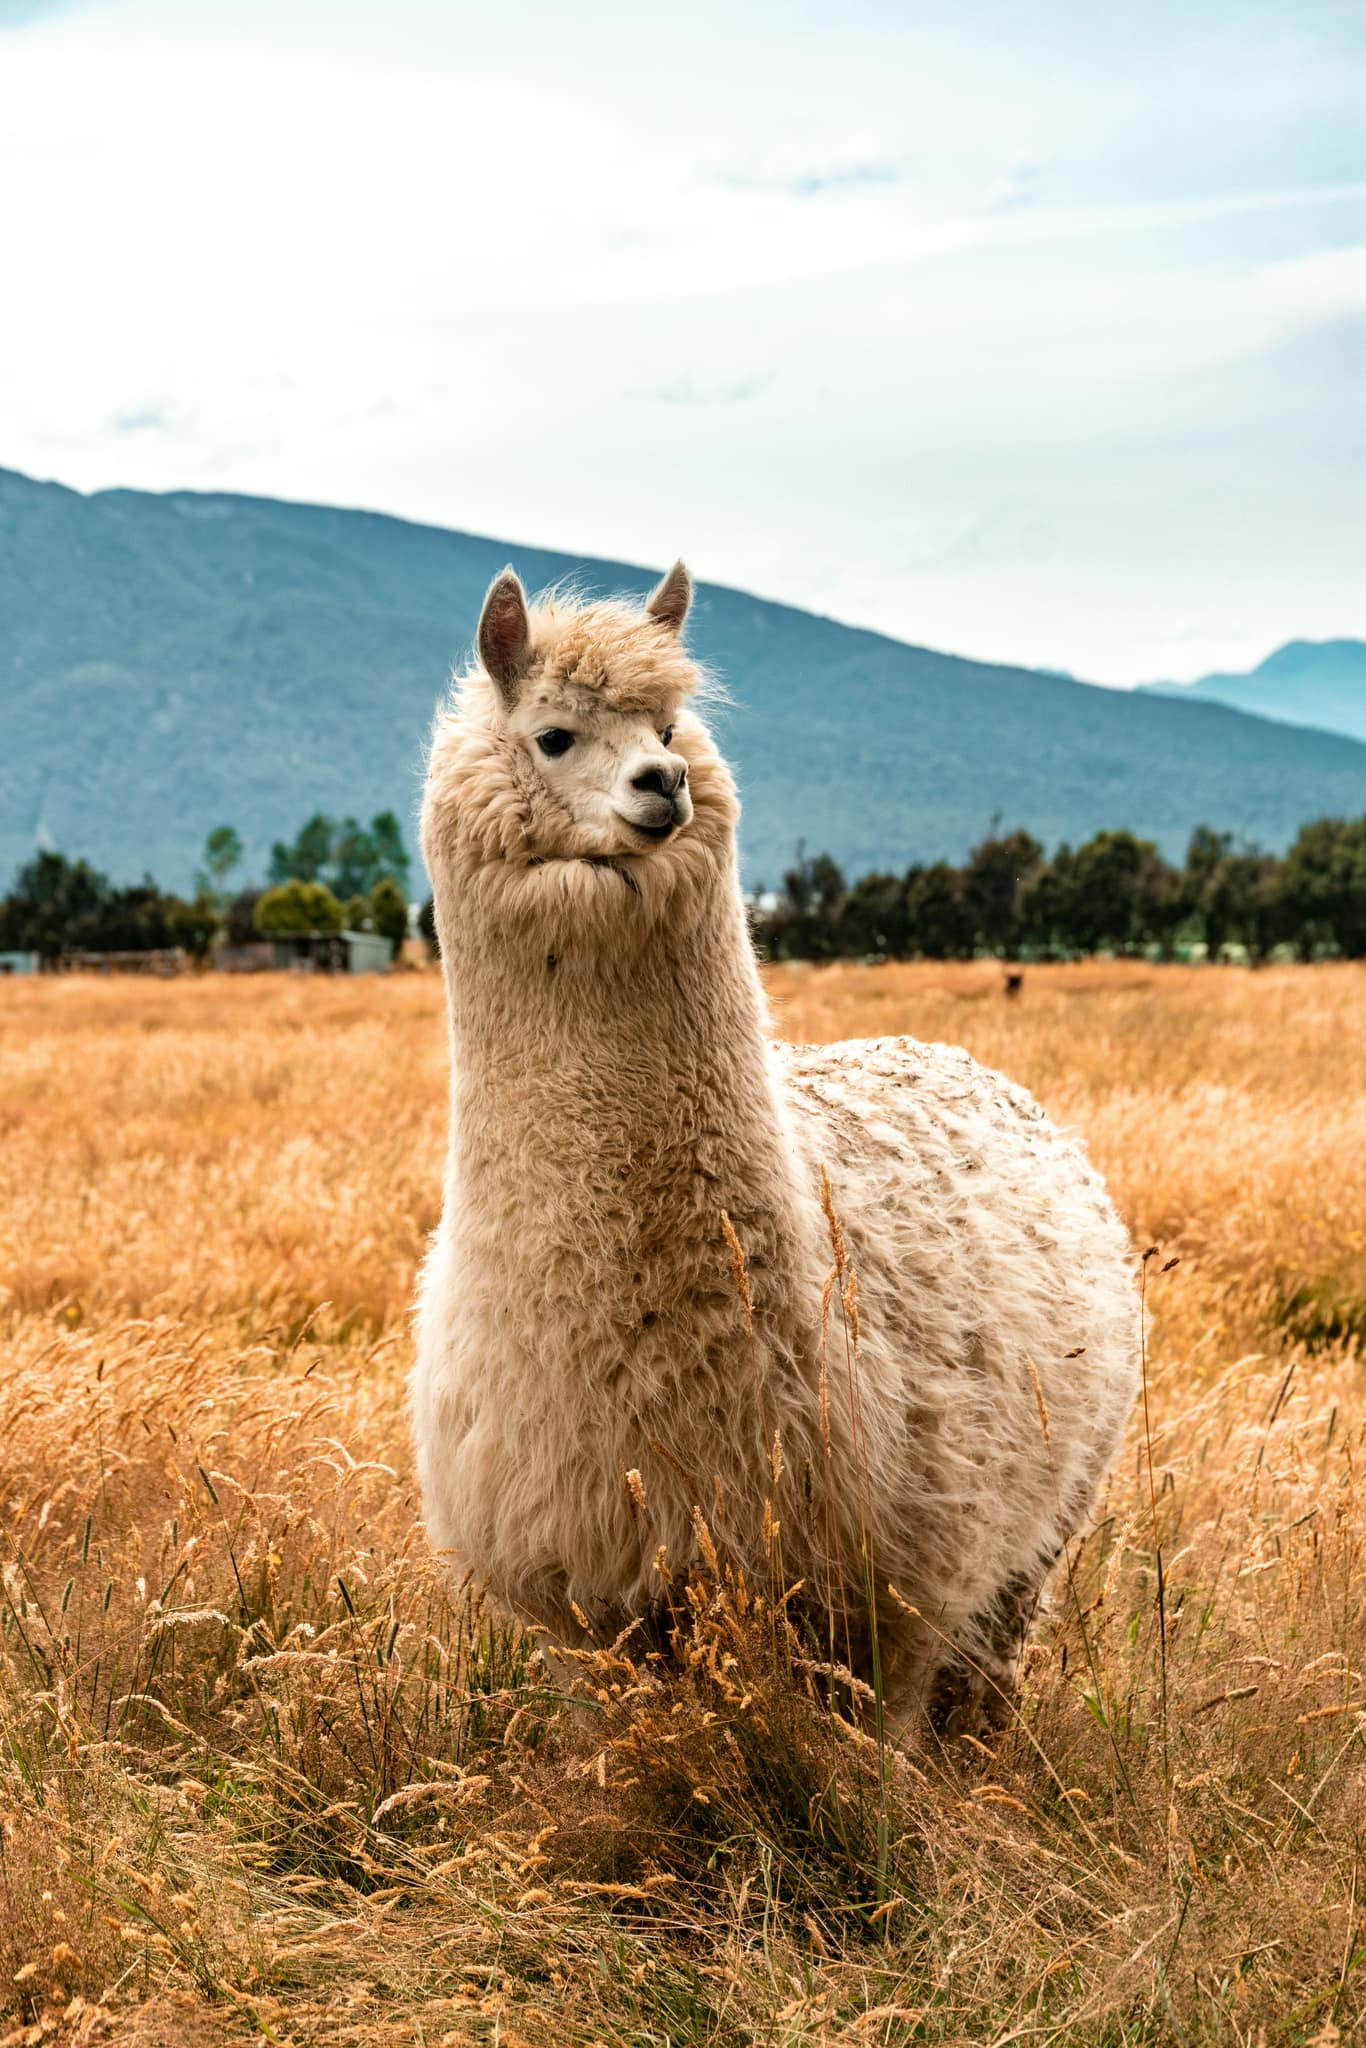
[[666, 736], [556, 741]]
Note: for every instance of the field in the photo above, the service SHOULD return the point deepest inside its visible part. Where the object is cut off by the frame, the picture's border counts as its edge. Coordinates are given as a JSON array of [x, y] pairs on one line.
[[264, 1774]]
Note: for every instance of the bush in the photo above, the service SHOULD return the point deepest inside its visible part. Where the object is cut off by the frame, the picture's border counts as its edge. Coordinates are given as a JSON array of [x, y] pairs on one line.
[[298, 907], [193, 925]]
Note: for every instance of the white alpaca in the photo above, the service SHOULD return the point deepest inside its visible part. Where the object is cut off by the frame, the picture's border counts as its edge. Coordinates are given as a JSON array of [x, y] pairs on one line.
[[614, 1091]]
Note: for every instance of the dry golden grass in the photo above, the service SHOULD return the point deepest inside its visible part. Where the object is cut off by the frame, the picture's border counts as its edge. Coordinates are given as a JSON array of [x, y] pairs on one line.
[[263, 1774]]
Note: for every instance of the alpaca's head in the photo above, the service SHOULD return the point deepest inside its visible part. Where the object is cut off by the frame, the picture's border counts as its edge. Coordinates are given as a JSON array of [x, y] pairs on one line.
[[574, 740]]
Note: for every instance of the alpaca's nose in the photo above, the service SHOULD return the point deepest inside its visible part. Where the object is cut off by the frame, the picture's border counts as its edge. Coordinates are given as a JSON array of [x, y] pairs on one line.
[[665, 778]]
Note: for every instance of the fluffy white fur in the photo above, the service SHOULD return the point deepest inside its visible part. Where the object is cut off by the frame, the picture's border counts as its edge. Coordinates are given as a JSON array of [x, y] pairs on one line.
[[614, 1091]]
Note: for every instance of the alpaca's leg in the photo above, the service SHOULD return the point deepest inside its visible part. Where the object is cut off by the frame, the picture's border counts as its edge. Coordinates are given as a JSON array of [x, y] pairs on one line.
[[974, 1687], [910, 1654]]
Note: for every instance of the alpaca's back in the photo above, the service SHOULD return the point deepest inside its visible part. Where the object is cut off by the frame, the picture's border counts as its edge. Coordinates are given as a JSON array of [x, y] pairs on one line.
[[997, 1354]]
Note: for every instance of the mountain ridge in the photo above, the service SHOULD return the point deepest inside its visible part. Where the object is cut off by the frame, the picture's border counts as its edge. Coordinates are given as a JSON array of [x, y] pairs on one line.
[[1318, 684], [173, 661]]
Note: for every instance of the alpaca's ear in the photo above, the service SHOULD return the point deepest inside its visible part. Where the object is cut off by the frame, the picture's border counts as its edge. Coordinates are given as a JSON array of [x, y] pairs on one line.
[[668, 604], [505, 634]]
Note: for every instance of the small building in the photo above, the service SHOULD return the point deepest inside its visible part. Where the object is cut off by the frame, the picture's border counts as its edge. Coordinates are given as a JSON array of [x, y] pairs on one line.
[[332, 952], [18, 963]]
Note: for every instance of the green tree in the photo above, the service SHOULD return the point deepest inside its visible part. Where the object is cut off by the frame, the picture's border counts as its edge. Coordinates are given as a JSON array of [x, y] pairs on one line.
[[1118, 889], [1204, 851], [995, 880], [1322, 888], [1046, 905], [134, 920], [1233, 892], [355, 861], [310, 853], [298, 906], [872, 918], [348, 856], [390, 853], [56, 906], [937, 924], [222, 853], [804, 923], [1162, 902], [389, 911]]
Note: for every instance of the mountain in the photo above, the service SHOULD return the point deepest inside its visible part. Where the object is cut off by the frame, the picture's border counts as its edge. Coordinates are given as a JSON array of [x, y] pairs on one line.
[[1319, 683], [171, 663]]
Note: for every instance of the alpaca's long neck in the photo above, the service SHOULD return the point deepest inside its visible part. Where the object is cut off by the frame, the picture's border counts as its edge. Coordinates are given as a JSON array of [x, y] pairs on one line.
[[609, 1103]]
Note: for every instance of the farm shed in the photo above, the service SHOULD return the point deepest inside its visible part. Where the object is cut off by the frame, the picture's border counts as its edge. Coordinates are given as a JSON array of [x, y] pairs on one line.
[[333, 952], [18, 963]]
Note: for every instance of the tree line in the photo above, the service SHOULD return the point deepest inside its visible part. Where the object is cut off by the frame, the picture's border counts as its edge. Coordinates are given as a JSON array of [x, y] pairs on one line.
[[336, 875], [1116, 893]]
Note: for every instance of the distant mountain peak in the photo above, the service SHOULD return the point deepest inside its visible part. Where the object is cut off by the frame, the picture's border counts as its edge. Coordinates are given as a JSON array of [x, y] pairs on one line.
[[1316, 683], [1298, 656]]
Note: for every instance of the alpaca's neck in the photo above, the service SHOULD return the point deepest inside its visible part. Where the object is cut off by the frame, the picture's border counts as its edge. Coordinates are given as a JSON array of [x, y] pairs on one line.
[[610, 1101]]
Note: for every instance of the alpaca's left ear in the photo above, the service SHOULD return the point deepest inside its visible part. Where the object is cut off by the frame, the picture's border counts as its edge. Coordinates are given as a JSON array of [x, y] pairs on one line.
[[668, 604]]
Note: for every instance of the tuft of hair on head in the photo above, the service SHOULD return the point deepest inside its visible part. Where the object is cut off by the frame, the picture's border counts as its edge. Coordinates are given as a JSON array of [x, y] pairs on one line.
[[504, 638], [668, 602]]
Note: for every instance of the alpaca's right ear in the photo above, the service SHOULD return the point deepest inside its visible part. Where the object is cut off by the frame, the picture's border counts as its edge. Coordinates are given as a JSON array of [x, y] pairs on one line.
[[505, 635]]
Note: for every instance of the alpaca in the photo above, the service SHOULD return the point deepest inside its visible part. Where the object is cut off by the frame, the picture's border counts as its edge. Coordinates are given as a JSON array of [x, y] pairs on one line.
[[588, 1378]]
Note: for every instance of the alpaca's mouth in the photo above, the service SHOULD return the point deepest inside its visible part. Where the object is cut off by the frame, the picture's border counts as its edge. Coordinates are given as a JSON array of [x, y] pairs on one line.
[[655, 832]]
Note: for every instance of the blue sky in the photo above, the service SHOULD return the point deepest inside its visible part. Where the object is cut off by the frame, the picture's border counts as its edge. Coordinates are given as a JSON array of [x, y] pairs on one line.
[[1034, 333]]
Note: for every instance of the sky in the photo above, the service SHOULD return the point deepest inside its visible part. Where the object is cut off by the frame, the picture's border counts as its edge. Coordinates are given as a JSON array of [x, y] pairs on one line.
[[1030, 332]]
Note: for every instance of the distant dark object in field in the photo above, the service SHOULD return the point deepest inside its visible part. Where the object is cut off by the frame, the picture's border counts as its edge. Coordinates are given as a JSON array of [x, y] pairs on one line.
[[1014, 983]]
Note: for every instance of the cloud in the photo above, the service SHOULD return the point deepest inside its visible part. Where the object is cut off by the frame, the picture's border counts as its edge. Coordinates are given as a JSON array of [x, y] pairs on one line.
[[151, 418], [1015, 534], [692, 391], [1184, 632], [1017, 186], [811, 183]]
